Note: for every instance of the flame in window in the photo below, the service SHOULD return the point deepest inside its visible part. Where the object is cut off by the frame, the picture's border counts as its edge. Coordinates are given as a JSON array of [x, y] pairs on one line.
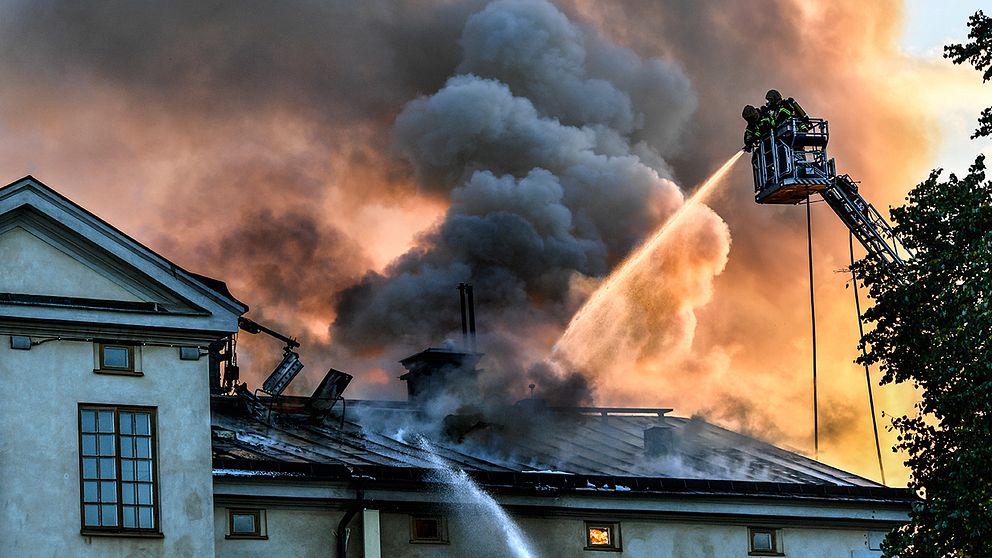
[[599, 536]]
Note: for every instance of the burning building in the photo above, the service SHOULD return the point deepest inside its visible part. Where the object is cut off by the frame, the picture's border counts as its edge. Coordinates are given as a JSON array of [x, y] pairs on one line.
[[127, 431]]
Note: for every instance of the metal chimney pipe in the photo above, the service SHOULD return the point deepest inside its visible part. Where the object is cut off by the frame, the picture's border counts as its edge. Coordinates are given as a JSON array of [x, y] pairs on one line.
[[471, 316], [461, 296]]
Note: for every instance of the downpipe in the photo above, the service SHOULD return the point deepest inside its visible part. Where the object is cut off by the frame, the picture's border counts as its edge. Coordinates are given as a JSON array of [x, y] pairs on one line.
[[342, 532]]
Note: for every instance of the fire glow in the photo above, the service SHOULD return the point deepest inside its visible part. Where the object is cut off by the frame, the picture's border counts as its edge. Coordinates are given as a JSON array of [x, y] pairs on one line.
[[599, 536]]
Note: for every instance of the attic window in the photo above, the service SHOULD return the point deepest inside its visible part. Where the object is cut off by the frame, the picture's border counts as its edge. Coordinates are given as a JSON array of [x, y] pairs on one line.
[[602, 536], [764, 542], [246, 524], [116, 357], [428, 529]]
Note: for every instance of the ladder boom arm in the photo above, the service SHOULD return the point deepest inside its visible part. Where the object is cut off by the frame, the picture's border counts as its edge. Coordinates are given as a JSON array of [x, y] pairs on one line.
[[864, 221]]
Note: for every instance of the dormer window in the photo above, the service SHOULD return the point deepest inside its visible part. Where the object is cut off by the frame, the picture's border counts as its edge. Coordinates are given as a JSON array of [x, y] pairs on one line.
[[116, 358]]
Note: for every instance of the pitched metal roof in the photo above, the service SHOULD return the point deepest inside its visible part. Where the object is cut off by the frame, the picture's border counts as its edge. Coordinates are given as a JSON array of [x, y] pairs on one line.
[[590, 442]]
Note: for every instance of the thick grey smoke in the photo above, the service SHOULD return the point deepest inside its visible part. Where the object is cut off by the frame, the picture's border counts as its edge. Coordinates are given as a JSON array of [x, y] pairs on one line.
[[552, 176], [578, 76]]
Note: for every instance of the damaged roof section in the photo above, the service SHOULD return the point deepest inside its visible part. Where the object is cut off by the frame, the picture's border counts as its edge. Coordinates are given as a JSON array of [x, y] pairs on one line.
[[529, 439]]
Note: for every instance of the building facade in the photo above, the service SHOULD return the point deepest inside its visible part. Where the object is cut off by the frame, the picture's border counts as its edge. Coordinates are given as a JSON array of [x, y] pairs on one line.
[[115, 446]]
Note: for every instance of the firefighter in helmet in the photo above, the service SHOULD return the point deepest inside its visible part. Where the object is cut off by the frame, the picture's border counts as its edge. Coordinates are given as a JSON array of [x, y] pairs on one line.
[[753, 132], [780, 110]]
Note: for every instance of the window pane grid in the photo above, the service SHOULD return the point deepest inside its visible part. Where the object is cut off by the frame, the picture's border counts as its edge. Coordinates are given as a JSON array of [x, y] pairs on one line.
[[116, 455]]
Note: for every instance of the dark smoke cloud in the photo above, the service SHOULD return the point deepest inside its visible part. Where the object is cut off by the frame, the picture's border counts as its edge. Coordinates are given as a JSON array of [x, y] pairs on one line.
[[343, 61], [576, 75], [546, 184]]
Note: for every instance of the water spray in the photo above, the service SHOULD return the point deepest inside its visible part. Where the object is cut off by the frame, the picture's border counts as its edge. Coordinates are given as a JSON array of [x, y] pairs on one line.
[[602, 297], [462, 486]]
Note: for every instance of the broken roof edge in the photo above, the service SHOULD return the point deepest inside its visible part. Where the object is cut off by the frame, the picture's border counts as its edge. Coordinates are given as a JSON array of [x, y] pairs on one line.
[[544, 483]]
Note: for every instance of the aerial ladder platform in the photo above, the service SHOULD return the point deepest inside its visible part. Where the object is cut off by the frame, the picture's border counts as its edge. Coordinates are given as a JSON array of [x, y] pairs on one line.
[[790, 164]]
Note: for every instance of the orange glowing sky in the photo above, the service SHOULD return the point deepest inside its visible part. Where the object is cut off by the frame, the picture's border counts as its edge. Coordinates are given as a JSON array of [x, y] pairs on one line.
[[271, 166]]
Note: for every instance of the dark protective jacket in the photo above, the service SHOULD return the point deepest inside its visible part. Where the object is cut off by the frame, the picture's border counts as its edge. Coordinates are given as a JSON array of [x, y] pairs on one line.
[[751, 135], [788, 108], [769, 118], [757, 129]]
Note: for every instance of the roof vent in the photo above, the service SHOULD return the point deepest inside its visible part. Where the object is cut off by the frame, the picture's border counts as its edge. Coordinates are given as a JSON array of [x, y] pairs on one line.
[[659, 440], [447, 370]]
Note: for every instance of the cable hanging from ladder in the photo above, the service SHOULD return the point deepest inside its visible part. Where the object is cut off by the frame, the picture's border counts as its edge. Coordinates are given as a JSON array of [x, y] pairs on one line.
[[861, 343], [812, 313]]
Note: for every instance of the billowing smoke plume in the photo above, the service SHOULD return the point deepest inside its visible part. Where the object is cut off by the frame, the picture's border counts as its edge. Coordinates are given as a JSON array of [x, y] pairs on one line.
[[547, 187], [282, 147]]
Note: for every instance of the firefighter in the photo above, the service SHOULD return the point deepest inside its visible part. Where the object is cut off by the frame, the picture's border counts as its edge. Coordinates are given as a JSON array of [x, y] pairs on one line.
[[780, 109], [753, 132]]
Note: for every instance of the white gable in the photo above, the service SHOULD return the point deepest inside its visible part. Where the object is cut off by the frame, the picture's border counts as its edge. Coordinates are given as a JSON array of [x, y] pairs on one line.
[[60, 262], [33, 266]]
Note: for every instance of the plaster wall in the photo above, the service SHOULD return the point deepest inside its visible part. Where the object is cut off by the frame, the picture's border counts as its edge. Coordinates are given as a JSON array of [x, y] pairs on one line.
[[33, 266], [296, 532], [563, 537], [39, 458]]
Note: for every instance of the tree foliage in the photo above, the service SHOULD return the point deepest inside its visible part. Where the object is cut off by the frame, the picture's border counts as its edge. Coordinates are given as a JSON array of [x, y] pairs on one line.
[[933, 327], [978, 53]]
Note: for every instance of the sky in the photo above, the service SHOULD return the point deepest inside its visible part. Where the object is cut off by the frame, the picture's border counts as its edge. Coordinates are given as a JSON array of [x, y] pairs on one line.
[[928, 27], [343, 166]]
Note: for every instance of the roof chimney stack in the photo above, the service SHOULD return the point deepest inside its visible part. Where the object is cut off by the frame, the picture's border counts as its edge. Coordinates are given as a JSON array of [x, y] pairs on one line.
[[461, 298], [436, 371], [447, 370], [467, 298]]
